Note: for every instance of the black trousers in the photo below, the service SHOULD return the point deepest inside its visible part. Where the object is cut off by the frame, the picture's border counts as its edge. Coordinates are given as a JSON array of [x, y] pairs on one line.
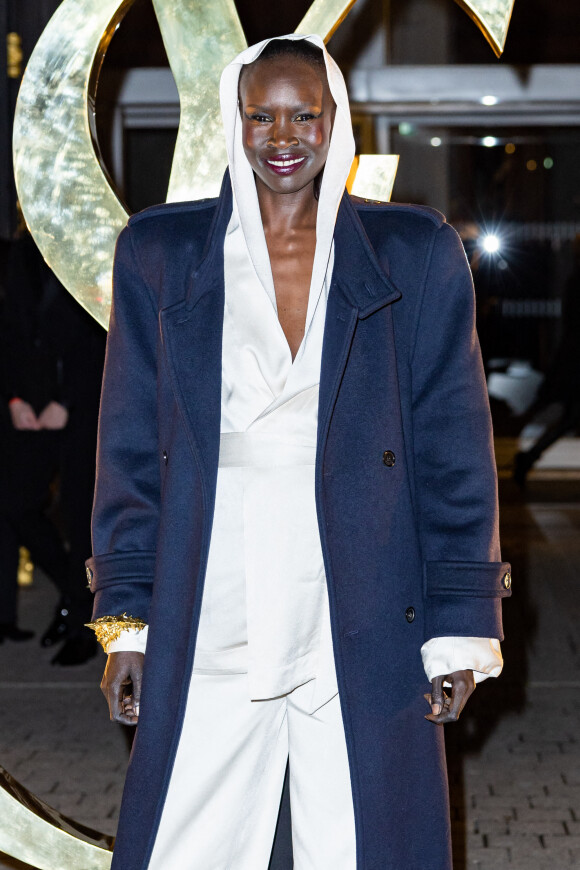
[[29, 465]]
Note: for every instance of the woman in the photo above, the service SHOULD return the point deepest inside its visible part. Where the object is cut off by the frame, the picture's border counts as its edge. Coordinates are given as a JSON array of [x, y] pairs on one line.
[[296, 493]]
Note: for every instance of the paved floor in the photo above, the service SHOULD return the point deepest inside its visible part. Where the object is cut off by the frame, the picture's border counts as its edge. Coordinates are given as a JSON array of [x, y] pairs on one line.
[[55, 734], [514, 758]]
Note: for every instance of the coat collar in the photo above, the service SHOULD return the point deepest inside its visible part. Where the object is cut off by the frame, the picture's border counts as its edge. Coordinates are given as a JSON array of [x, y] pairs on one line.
[[361, 281], [209, 272], [359, 276]]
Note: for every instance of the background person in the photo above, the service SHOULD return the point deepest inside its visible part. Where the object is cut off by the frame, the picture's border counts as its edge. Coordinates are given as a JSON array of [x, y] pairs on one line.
[[51, 359]]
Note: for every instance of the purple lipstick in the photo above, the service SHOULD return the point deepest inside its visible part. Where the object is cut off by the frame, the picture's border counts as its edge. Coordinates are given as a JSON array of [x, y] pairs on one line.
[[285, 164]]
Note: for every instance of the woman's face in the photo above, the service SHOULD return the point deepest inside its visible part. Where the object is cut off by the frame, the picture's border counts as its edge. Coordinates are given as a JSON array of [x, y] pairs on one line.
[[287, 114]]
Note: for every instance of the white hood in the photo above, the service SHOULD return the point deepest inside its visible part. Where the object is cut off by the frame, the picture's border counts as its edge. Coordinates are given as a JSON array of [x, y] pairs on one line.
[[338, 163]]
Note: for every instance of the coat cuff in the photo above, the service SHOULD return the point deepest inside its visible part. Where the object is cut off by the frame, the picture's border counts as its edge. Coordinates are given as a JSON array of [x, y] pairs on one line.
[[444, 655], [129, 640], [122, 583], [464, 598]]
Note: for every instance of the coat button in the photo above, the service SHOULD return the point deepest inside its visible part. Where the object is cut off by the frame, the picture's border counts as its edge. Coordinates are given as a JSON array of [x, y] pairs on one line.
[[165, 457], [507, 580], [389, 458], [410, 614]]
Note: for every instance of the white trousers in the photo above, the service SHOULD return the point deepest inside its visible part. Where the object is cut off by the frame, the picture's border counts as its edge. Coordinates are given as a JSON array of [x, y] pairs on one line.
[[224, 795]]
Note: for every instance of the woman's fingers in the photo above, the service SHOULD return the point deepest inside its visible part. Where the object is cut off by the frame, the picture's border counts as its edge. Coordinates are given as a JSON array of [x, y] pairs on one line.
[[447, 708], [437, 695], [121, 686]]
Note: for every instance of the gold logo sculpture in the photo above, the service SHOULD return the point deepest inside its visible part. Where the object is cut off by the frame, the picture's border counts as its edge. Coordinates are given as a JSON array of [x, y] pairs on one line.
[[69, 205], [33, 832], [75, 218]]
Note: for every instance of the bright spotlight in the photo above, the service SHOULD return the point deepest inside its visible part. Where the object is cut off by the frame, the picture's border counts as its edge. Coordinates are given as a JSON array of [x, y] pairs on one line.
[[489, 141], [490, 244], [489, 100]]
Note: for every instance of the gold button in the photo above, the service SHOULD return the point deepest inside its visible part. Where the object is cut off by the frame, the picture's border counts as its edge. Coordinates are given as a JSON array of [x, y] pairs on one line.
[[507, 580]]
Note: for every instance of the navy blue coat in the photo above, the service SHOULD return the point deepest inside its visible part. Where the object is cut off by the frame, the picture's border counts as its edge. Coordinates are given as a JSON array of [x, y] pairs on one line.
[[411, 548]]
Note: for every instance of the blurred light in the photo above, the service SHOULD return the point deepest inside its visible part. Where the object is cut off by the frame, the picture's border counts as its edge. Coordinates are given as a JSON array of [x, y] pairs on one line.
[[435, 141], [406, 129], [489, 100], [489, 141], [531, 165], [510, 148], [490, 244], [548, 162]]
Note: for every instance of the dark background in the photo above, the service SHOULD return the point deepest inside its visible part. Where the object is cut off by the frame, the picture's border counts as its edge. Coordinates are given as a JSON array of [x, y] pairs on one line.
[[484, 186]]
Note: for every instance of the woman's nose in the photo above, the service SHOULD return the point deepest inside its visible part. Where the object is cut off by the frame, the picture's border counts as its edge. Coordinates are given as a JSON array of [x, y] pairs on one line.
[[283, 134]]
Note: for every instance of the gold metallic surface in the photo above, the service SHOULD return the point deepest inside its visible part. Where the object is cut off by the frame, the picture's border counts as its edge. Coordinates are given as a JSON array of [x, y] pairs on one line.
[[14, 55], [200, 38], [373, 175], [324, 17], [493, 19], [73, 214], [67, 199], [25, 568], [110, 628], [34, 833]]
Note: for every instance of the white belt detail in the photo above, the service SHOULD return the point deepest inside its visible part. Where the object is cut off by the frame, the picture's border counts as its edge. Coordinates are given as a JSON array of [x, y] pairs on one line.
[[265, 606], [263, 450]]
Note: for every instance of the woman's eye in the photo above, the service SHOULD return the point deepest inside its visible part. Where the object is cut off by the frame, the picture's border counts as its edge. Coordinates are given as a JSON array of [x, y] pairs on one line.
[[262, 119], [305, 117]]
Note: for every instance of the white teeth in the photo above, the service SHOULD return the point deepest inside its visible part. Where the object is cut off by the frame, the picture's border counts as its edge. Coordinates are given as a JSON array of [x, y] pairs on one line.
[[288, 161]]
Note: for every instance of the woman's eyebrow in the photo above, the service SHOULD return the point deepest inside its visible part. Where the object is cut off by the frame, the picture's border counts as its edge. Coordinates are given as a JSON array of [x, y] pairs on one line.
[[303, 107]]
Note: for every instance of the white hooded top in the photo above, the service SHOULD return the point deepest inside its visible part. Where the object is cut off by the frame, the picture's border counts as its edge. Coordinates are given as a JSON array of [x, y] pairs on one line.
[[336, 170], [265, 605], [265, 553]]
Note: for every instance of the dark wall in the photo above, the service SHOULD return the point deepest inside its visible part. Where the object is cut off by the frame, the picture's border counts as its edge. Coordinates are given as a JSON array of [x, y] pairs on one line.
[[541, 31], [6, 185], [27, 18]]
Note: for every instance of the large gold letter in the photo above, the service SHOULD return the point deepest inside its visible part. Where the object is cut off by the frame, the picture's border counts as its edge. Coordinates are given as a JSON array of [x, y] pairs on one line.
[[71, 209]]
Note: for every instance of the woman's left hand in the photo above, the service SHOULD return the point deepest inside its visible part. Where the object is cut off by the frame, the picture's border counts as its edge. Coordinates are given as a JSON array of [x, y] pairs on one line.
[[447, 708], [54, 416]]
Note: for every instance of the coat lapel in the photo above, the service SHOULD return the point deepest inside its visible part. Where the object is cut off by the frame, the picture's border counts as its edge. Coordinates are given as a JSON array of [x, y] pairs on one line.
[[192, 337], [359, 287], [192, 329]]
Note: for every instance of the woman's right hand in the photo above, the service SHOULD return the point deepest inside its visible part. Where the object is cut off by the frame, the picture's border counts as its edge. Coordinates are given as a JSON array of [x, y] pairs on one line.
[[121, 686], [23, 416]]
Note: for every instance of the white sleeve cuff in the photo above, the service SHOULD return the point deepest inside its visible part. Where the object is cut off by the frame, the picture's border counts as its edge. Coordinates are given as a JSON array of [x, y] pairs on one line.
[[131, 640], [444, 655]]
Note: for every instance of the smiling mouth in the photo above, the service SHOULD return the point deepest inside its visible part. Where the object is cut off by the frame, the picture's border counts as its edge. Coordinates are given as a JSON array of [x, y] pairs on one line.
[[286, 161], [285, 165]]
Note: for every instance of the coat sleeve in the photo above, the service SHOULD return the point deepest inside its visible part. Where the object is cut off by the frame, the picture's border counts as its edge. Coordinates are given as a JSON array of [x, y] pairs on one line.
[[127, 491], [455, 472]]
